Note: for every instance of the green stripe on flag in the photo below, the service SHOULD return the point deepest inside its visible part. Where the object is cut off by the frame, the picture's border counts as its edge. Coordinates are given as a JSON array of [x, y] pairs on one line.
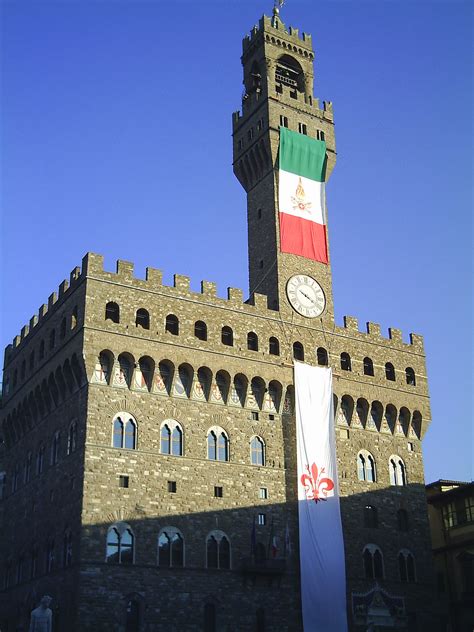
[[302, 155]]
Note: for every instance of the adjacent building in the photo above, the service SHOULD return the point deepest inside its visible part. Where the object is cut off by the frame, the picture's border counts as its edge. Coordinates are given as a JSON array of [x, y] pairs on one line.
[[148, 458], [451, 517]]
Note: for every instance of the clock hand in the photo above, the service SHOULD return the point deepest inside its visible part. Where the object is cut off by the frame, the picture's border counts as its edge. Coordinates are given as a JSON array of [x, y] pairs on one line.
[[306, 296]]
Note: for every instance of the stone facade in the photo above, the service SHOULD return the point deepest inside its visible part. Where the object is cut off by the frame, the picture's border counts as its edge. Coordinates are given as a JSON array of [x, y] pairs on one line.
[[451, 518], [64, 391]]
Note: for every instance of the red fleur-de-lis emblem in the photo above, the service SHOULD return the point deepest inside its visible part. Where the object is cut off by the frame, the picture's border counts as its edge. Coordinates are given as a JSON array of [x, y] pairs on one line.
[[316, 486]]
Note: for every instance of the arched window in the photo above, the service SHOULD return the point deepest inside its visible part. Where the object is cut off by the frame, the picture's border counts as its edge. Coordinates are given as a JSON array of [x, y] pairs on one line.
[[62, 330], [55, 448], [322, 356], [397, 471], [346, 362], [370, 517], [120, 544], [218, 550], [117, 440], [142, 318], [288, 73], [406, 566], [298, 351], [200, 330], [172, 324], [52, 339], [390, 372], [227, 336], [74, 318], [124, 432], [366, 467], [40, 460], [72, 438], [171, 438], [50, 555], [67, 548], [170, 547], [209, 617], [410, 376], [257, 451], [132, 619], [402, 520], [130, 435], [274, 346], [112, 312], [217, 445], [373, 562], [368, 366], [252, 341]]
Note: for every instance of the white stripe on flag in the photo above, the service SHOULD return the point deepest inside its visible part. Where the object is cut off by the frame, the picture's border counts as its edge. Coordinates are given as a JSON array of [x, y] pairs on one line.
[[322, 563], [301, 197]]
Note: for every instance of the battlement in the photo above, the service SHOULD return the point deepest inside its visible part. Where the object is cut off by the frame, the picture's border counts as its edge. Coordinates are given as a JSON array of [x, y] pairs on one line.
[[93, 267], [65, 288], [373, 333], [275, 26]]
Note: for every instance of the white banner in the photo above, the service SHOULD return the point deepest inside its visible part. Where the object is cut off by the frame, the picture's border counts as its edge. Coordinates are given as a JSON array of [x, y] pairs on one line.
[[322, 564]]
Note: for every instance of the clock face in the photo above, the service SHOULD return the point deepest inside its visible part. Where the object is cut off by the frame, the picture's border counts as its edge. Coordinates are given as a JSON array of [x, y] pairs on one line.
[[306, 296]]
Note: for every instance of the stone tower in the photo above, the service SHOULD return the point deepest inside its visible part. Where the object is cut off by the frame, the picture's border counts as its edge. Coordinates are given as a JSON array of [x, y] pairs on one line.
[[278, 92]]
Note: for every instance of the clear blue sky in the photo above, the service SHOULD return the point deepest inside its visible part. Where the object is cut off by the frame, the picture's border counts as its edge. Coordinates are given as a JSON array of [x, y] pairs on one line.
[[117, 139]]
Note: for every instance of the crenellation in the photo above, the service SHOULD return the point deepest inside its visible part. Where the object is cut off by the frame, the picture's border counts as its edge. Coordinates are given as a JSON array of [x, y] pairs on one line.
[[52, 299], [235, 295], [395, 335], [351, 323], [181, 282], [16, 341], [154, 277], [417, 341], [373, 329], [43, 310], [62, 288], [24, 331], [209, 288], [33, 321], [92, 264], [124, 270], [75, 275]]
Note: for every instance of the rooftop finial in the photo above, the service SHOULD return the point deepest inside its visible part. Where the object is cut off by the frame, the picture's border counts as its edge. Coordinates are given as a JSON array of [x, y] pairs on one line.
[[277, 5]]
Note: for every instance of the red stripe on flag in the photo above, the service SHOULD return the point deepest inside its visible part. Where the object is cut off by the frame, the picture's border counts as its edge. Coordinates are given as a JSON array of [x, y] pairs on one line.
[[304, 238]]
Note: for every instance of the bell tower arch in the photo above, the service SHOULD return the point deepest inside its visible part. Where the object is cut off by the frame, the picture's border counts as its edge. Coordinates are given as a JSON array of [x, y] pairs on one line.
[[278, 78]]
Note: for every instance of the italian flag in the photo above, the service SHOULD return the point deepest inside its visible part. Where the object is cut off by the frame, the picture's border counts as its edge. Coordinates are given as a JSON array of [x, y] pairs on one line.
[[301, 198]]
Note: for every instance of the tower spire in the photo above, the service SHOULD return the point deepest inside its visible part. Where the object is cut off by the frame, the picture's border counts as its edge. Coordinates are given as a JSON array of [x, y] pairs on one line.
[[277, 5]]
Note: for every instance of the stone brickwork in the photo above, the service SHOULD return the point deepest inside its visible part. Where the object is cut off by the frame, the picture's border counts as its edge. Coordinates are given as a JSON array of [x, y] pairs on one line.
[[96, 369]]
